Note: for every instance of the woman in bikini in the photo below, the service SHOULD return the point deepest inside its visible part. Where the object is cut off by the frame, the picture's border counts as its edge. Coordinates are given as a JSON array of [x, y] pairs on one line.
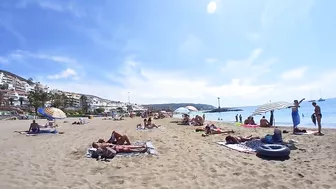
[[212, 129], [117, 138], [238, 139]]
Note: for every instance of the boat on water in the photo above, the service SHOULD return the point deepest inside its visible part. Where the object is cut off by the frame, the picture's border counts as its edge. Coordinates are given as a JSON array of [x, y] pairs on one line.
[[311, 100], [321, 100]]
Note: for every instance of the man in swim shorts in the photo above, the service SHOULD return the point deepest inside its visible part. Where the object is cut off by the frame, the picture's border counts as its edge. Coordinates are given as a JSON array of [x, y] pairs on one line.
[[264, 122], [34, 127], [318, 114]]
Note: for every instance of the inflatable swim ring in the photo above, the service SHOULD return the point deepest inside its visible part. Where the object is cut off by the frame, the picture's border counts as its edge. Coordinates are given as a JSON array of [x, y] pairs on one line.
[[273, 150]]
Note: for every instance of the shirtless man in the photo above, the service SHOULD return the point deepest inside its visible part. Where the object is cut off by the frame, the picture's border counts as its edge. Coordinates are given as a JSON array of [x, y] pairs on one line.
[[264, 122], [34, 127], [318, 114]]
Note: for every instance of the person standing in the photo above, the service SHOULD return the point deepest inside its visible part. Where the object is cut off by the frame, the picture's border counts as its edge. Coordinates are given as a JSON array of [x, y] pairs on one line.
[[237, 118], [318, 115], [240, 118], [296, 115]]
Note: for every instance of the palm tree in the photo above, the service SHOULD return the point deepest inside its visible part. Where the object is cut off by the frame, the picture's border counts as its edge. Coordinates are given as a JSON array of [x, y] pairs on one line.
[[64, 100], [34, 98], [56, 100], [2, 97], [11, 100], [84, 103], [4, 86], [21, 99], [44, 97]]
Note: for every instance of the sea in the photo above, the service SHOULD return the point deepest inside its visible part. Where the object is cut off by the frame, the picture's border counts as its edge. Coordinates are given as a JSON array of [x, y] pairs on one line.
[[281, 117]]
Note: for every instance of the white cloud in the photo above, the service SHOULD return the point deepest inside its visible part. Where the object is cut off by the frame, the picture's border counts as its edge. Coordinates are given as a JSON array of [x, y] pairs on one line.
[[212, 7], [3, 60], [297, 73], [285, 12], [211, 60], [68, 73], [253, 36], [158, 86], [21, 55], [191, 46], [248, 70], [54, 5]]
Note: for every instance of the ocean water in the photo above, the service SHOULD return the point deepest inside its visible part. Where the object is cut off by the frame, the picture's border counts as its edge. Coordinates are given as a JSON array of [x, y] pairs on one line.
[[282, 117]]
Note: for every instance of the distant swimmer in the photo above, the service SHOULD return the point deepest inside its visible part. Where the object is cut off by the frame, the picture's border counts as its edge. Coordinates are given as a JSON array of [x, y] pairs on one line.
[[302, 115]]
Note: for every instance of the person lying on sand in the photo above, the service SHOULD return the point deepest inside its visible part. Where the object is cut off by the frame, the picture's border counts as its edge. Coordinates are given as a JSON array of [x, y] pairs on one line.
[[212, 129], [238, 139], [119, 148], [151, 125], [264, 122], [117, 138]]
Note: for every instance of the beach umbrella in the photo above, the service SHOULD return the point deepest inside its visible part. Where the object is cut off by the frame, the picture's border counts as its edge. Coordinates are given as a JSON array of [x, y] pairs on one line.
[[191, 108], [51, 112], [272, 106], [181, 110]]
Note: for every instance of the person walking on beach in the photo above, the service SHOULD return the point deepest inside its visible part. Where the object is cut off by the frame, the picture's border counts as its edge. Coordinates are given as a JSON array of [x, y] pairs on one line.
[[237, 118], [240, 118], [318, 115], [296, 115]]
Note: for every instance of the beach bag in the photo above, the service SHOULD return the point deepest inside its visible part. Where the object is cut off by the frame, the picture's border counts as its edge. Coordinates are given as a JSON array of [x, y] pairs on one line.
[[108, 153]]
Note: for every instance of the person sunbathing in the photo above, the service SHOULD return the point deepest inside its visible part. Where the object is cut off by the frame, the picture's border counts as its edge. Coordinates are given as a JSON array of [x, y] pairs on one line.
[[212, 129], [140, 126], [117, 138], [238, 139], [186, 120], [151, 125], [264, 122], [119, 148], [197, 121]]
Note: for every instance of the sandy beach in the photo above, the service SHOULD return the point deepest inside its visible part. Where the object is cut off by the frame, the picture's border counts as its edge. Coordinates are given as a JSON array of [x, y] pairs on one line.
[[185, 160]]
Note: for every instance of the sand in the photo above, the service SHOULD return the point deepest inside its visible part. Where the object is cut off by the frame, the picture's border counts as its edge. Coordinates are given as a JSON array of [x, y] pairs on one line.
[[185, 160]]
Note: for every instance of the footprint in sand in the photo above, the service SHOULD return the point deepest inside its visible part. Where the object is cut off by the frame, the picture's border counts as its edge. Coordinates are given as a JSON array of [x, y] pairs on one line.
[[326, 186], [308, 181]]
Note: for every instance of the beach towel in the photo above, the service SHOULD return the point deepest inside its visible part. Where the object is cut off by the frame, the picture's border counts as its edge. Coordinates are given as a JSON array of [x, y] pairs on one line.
[[305, 133], [150, 150], [250, 126], [42, 131], [295, 118], [246, 147]]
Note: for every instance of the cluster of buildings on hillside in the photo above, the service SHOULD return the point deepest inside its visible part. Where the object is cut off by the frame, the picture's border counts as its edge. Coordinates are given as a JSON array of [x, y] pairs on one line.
[[17, 90]]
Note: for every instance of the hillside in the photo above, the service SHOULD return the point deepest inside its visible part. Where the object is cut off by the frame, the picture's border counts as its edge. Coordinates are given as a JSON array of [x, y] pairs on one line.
[[174, 106], [19, 77]]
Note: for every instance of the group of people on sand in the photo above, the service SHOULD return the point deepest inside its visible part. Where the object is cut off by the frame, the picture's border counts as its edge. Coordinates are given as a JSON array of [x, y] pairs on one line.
[[117, 143], [35, 128], [147, 124], [317, 117], [196, 121]]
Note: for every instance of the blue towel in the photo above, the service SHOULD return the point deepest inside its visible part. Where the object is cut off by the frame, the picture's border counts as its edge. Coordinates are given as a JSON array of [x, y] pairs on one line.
[[295, 118]]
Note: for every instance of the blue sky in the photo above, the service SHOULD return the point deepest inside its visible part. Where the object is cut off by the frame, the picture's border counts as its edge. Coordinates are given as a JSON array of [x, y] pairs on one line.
[[246, 52]]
